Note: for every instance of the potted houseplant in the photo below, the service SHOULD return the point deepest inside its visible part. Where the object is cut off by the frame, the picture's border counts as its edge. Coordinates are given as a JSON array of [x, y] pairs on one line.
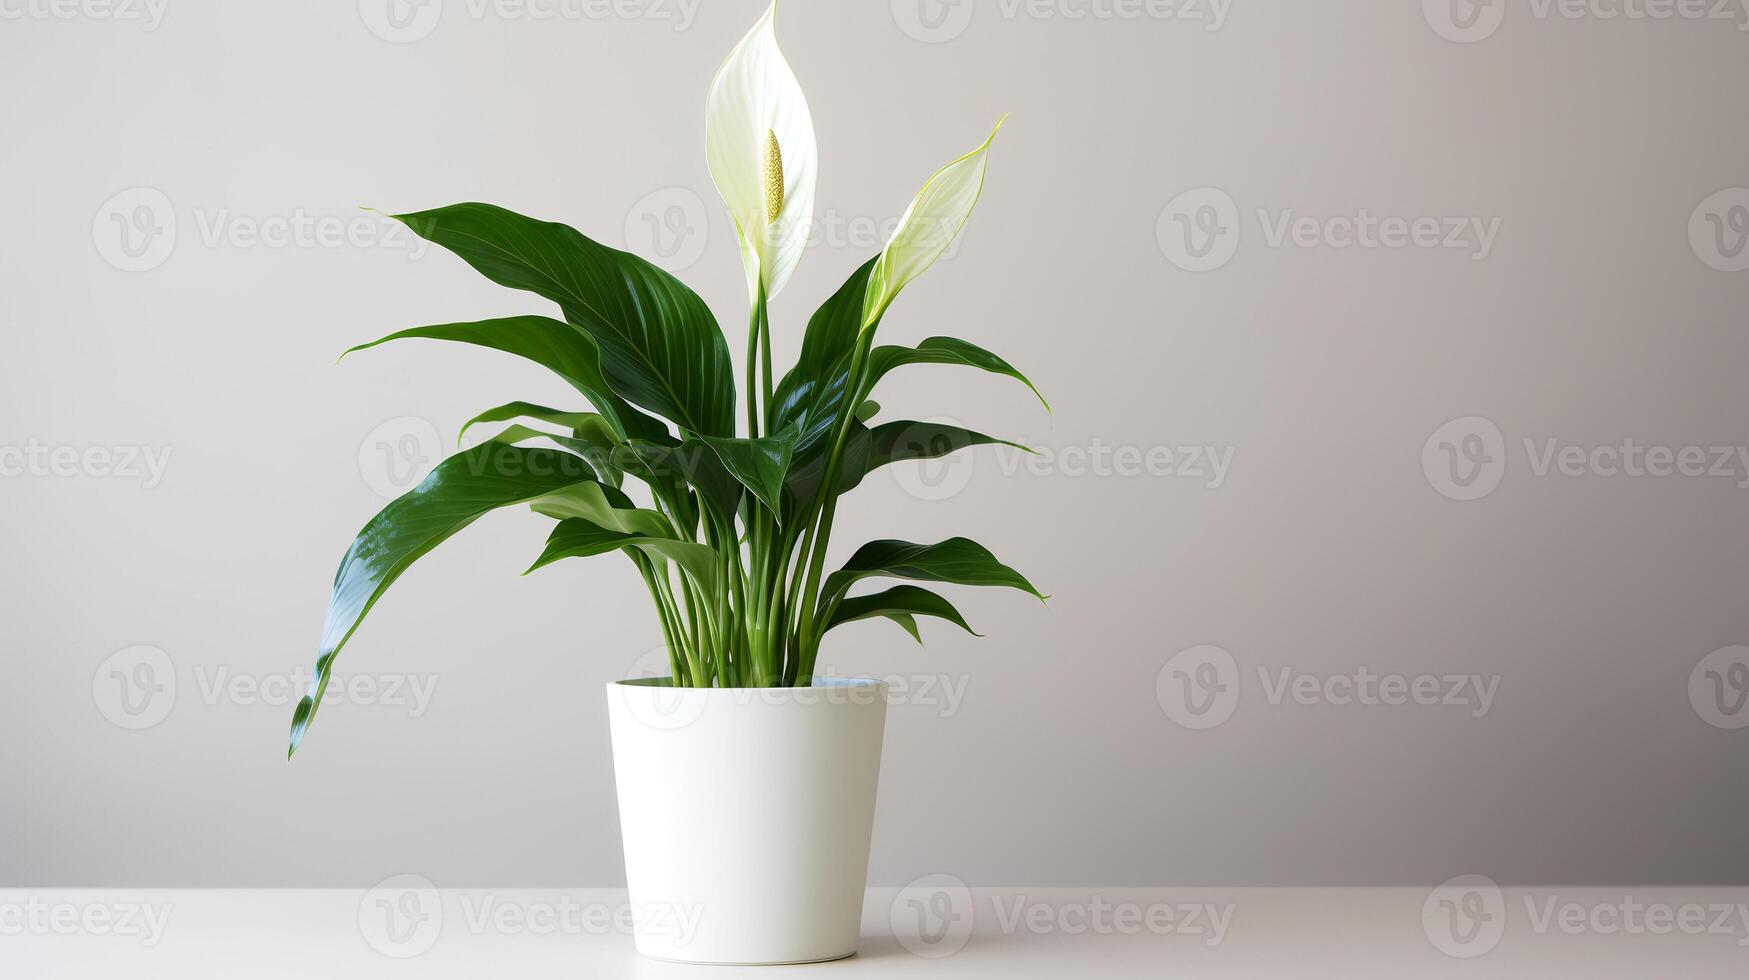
[[746, 783]]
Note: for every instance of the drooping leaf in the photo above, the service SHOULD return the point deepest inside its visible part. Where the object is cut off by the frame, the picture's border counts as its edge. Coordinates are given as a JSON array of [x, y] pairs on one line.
[[943, 350], [661, 348], [604, 507], [554, 344], [598, 459], [575, 537], [901, 603], [457, 492], [894, 442], [583, 425], [908, 623], [590, 435], [957, 561], [580, 538]]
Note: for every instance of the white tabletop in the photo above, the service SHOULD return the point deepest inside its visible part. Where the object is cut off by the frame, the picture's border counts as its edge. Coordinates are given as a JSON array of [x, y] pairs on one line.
[[406, 928]]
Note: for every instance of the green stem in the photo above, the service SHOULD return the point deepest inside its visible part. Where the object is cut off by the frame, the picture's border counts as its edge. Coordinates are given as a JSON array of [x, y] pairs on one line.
[[810, 642], [676, 665], [753, 363], [665, 595], [765, 344]]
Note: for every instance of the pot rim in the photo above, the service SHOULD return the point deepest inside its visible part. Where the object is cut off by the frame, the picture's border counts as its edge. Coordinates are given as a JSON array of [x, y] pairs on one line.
[[819, 682]]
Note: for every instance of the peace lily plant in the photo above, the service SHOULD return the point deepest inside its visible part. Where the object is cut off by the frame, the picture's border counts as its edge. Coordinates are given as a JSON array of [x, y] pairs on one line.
[[730, 532], [755, 812]]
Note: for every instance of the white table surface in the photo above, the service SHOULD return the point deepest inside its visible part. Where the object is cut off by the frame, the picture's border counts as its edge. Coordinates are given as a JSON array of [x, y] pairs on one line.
[[1396, 933]]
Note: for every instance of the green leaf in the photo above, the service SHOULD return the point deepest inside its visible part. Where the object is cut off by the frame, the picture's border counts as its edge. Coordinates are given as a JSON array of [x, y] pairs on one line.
[[759, 464], [513, 434], [605, 507], [908, 623], [598, 459], [944, 350], [957, 561], [867, 450], [807, 472], [894, 442], [579, 538], [587, 426], [661, 348], [554, 344], [590, 435], [809, 395], [458, 492], [902, 604], [691, 463]]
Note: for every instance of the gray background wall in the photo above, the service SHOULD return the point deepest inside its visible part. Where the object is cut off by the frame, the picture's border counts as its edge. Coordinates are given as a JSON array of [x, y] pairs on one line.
[[1379, 509]]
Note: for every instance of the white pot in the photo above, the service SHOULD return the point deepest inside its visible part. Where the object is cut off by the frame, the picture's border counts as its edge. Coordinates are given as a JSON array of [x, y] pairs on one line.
[[746, 816]]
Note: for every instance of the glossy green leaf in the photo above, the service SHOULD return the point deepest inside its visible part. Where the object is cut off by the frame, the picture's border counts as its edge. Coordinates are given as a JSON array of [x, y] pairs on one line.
[[809, 395], [604, 507], [761, 464], [809, 470], [957, 561], [579, 538], [894, 442], [908, 623], [661, 348], [943, 350], [458, 492], [598, 459], [691, 463], [590, 435], [587, 426], [867, 450], [554, 344], [902, 604]]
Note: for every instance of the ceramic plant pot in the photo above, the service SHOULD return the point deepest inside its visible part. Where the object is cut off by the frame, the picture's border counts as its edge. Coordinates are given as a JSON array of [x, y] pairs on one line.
[[746, 815]]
